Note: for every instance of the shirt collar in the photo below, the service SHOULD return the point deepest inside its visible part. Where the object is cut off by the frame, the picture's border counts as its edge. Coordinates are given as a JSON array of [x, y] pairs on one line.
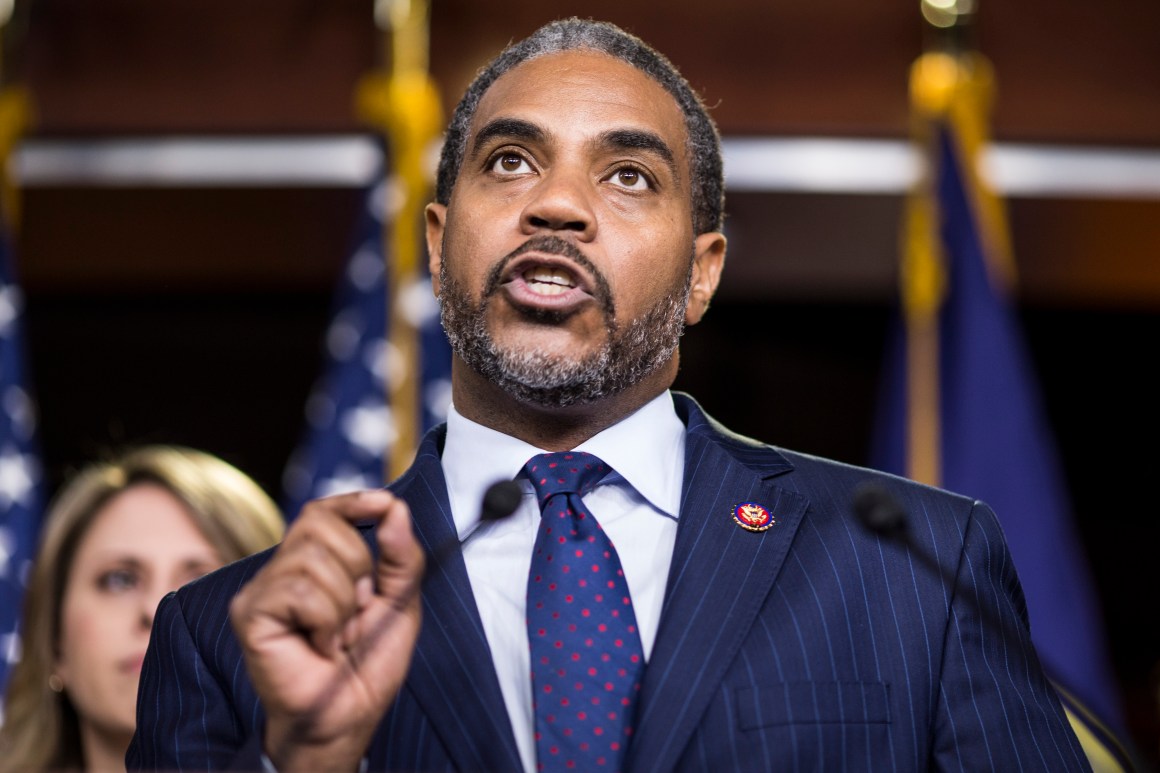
[[647, 450]]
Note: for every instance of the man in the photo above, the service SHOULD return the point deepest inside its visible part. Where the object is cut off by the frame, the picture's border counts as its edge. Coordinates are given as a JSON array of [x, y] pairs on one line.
[[689, 599]]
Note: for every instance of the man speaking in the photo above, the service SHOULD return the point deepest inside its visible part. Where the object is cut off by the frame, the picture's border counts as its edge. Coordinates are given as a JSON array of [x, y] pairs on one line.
[[667, 595]]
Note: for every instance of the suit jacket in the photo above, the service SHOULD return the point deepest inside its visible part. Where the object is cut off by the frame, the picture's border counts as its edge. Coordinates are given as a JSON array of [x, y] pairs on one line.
[[812, 645]]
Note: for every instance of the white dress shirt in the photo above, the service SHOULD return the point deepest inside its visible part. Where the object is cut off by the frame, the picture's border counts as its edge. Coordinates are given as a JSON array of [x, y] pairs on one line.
[[637, 505]]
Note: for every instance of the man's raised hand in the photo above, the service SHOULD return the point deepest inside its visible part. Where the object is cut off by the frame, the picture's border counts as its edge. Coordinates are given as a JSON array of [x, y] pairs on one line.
[[328, 633]]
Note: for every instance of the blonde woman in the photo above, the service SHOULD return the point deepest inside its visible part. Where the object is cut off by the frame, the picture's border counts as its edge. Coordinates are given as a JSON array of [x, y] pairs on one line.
[[117, 538]]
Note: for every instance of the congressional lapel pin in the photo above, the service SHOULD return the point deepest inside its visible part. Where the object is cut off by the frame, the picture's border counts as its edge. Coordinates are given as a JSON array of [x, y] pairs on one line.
[[753, 517]]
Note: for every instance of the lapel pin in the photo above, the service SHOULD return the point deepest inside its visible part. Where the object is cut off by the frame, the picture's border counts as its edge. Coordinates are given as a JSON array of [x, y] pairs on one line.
[[752, 516]]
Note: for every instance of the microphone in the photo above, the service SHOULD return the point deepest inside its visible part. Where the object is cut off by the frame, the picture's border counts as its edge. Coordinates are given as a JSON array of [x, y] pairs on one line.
[[499, 501], [881, 513]]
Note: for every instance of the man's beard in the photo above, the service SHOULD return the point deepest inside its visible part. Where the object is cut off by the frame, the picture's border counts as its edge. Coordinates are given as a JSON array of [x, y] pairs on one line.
[[553, 380]]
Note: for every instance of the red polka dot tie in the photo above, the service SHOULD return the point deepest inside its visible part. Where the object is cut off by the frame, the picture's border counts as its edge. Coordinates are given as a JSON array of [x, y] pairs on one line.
[[586, 657]]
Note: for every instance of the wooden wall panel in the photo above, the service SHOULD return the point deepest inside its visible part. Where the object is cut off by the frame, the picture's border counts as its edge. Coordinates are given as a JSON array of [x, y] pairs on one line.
[[1069, 71]]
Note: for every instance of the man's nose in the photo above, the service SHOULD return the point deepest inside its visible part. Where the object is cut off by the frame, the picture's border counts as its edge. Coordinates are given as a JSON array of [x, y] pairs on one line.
[[562, 201]]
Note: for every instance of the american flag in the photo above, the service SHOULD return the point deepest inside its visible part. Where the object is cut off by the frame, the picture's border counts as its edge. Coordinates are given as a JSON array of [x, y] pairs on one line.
[[20, 495], [349, 426]]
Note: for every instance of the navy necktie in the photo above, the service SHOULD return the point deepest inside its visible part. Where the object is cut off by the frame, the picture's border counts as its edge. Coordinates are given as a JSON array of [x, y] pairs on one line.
[[586, 657]]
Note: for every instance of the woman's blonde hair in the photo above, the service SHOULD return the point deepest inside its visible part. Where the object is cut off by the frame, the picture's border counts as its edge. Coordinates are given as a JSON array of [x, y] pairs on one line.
[[41, 730]]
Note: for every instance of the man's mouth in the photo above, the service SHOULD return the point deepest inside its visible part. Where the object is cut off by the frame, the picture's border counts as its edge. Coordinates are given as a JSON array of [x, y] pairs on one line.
[[548, 280], [546, 285]]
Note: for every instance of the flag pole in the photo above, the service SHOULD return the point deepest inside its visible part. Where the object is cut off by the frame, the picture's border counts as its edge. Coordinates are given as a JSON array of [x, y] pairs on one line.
[[402, 102], [951, 84], [15, 118], [922, 273]]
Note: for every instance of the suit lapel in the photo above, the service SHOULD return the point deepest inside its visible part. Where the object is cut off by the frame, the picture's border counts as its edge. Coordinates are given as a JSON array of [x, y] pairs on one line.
[[452, 676], [720, 577]]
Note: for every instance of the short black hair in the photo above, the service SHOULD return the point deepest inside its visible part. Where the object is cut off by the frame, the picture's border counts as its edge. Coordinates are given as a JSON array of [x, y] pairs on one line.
[[704, 144]]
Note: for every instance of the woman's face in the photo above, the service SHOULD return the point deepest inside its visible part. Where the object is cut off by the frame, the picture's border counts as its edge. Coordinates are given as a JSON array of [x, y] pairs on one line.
[[140, 546]]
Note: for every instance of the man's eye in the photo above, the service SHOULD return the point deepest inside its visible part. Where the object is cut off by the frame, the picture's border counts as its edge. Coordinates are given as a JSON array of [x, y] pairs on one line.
[[510, 163], [632, 179], [117, 580]]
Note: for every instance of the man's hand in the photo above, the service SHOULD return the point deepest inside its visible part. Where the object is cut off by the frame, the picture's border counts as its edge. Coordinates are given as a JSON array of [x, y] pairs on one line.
[[327, 635]]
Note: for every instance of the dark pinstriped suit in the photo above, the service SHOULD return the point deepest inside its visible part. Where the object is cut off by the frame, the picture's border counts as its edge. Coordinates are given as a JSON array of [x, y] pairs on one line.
[[813, 645]]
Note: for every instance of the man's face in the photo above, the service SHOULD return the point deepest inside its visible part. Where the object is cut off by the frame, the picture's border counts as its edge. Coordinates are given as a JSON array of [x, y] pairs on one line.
[[566, 257]]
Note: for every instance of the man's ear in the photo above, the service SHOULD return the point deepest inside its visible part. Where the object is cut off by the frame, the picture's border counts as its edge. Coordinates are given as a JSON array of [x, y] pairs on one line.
[[708, 260], [436, 218]]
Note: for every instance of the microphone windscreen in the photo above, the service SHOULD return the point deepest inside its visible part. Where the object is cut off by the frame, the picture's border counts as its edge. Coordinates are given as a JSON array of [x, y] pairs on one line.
[[878, 510], [500, 500]]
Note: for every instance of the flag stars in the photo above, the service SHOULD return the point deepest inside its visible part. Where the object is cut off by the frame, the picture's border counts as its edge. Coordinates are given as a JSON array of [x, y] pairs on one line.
[[369, 427], [10, 649], [11, 303], [18, 476]]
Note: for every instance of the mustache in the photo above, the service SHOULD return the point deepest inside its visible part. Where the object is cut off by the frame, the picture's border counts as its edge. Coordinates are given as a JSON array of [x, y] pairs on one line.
[[553, 245]]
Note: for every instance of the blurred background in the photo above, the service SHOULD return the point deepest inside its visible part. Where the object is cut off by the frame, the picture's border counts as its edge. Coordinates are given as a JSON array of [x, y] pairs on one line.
[[189, 304]]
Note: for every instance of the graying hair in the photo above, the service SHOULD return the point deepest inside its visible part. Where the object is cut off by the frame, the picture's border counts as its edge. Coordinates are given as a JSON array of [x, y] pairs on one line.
[[704, 145]]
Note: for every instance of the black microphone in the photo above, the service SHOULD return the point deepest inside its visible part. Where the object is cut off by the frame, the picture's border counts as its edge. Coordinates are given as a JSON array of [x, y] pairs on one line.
[[499, 501], [881, 513]]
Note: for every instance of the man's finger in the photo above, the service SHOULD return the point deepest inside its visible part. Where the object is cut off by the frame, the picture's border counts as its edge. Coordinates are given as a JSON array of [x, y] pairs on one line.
[[369, 504], [313, 581], [399, 571], [325, 523], [317, 596]]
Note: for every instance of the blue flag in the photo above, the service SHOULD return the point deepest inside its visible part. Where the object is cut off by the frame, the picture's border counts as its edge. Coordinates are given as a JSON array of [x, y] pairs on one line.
[[350, 427], [20, 494], [984, 431]]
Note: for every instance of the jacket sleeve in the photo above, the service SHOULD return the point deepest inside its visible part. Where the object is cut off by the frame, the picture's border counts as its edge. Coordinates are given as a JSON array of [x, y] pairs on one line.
[[195, 707], [996, 709]]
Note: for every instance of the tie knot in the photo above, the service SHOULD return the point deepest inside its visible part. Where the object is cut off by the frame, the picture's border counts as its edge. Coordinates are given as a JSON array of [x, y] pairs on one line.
[[570, 472]]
